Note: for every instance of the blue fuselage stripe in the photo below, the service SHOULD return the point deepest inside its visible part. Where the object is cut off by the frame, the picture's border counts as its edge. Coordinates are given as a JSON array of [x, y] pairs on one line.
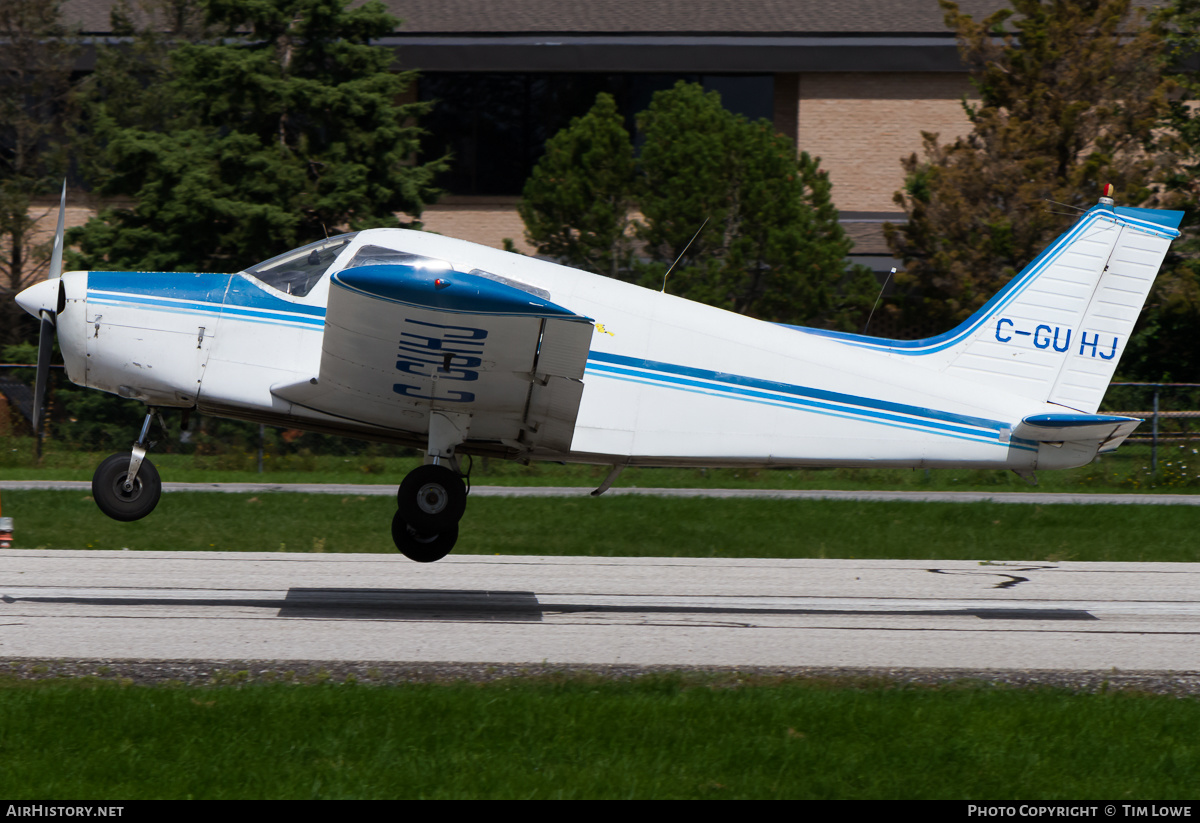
[[207, 309], [233, 296], [793, 396]]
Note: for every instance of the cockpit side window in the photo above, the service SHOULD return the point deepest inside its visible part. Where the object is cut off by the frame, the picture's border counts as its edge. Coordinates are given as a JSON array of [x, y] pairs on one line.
[[516, 284], [297, 271]]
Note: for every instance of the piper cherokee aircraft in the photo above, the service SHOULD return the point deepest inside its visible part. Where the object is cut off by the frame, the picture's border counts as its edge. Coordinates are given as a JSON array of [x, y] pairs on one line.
[[457, 349]]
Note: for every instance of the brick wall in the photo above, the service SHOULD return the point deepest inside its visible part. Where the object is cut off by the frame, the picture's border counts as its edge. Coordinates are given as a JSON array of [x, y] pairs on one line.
[[44, 211], [483, 220], [861, 125]]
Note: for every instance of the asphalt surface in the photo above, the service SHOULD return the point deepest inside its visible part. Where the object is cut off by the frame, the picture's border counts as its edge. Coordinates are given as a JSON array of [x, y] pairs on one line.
[[209, 617], [1059, 619]]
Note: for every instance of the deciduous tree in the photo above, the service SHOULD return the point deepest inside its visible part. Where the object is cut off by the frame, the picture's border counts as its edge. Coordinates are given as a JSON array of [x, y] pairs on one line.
[[1069, 96], [1163, 346]]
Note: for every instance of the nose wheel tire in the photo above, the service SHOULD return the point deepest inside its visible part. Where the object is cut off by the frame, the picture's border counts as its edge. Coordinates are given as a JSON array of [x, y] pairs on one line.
[[108, 489], [421, 547], [432, 499]]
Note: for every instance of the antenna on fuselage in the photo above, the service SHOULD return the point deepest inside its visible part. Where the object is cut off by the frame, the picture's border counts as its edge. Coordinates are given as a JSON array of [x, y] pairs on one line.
[[877, 299], [1078, 210], [681, 254]]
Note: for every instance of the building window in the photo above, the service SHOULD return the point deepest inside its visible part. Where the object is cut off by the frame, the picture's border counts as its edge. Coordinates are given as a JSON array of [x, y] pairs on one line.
[[496, 125]]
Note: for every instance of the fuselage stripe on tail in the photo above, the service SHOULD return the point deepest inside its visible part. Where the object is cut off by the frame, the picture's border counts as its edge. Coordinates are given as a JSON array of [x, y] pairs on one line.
[[770, 392]]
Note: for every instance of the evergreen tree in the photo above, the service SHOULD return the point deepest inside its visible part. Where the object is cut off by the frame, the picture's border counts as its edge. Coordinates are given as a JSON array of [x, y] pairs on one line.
[[1070, 94], [577, 200], [131, 87], [35, 79], [280, 125], [770, 246]]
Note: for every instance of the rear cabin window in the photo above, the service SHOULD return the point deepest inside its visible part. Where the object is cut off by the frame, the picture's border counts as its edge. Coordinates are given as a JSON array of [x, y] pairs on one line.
[[382, 256]]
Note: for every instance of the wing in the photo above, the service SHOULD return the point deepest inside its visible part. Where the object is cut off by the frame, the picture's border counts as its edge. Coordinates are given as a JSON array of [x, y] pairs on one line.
[[404, 341]]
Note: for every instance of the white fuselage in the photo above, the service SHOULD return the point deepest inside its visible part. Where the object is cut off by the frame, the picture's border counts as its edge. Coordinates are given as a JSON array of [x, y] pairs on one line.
[[667, 381]]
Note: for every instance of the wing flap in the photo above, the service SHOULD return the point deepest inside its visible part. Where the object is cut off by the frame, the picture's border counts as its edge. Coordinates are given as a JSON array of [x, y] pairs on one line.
[[553, 406]]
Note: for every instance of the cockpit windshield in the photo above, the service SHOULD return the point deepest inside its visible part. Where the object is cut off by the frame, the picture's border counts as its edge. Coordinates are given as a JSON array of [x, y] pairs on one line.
[[297, 271]]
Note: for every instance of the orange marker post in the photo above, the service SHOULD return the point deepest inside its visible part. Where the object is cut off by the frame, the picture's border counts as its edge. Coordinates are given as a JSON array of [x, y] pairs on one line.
[[6, 530]]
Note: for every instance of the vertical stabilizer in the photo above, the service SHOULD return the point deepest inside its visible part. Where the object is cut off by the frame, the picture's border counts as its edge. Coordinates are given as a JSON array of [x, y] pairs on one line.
[[1056, 332]]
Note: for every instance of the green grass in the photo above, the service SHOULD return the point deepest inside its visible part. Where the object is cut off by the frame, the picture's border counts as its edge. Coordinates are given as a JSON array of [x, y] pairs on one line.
[[625, 526], [671, 736], [1127, 470], [657, 737]]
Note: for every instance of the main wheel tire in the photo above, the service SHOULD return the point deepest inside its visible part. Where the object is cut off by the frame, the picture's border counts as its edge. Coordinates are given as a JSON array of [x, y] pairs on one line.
[[432, 498], [423, 548], [108, 489]]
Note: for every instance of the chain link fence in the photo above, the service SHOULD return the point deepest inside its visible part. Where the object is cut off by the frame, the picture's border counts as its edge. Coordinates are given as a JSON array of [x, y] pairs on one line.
[[82, 420], [1170, 437]]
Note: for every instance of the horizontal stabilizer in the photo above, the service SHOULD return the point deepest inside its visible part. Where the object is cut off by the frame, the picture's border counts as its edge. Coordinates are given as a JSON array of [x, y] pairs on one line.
[[1107, 430]]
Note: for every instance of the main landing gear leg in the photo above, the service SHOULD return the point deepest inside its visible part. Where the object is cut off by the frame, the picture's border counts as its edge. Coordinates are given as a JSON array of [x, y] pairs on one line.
[[433, 497], [126, 486]]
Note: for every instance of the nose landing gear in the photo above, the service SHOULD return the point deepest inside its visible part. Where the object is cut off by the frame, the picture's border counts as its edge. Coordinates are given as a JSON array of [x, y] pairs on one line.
[[127, 486], [125, 494]]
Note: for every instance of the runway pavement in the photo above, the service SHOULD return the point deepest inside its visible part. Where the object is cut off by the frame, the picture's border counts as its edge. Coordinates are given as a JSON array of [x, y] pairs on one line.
[[600, 611], [597, 611]]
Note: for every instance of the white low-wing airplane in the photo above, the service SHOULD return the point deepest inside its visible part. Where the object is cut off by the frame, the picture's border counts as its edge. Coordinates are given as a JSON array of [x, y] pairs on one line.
[[454, 348]]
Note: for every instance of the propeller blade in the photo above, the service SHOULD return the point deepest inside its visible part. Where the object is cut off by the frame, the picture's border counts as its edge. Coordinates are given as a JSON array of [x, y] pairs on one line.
[[57, 255], [49, 316], [45, 348]]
